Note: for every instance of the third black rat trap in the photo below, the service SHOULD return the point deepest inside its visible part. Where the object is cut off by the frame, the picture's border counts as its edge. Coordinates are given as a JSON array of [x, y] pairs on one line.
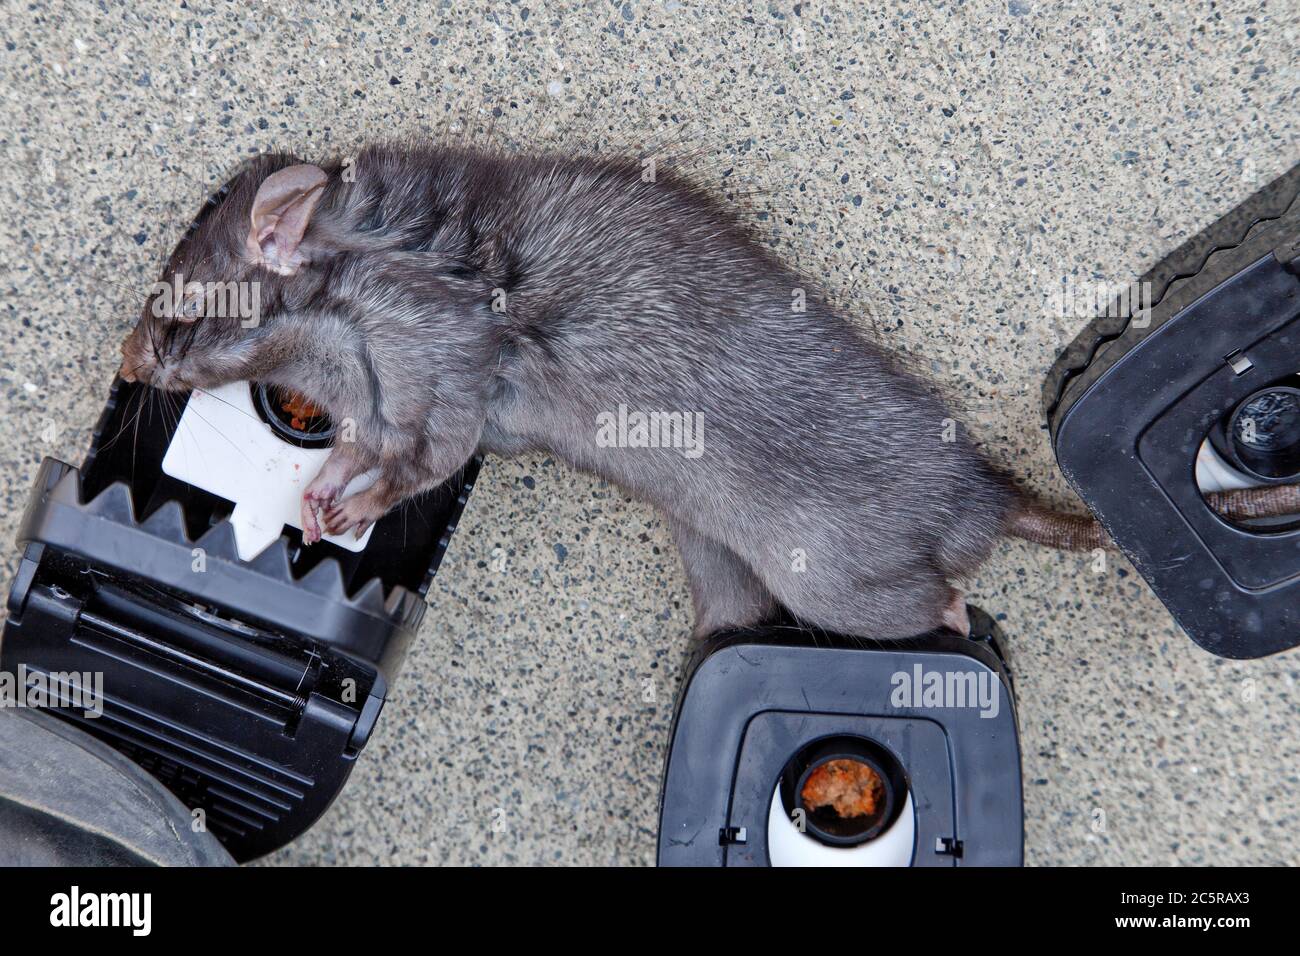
[[1152, 410], [795, 748]]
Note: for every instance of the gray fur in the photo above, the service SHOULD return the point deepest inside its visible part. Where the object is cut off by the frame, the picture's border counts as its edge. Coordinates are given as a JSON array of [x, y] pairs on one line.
[[825, 483]]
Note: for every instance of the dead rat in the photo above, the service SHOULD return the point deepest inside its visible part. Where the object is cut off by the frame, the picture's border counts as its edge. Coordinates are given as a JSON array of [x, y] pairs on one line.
[[446, 301]]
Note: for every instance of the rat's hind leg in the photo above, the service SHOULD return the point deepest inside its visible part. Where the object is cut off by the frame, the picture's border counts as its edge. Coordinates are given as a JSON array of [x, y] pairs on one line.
[[837, 598], [955, 616], [724, 591]]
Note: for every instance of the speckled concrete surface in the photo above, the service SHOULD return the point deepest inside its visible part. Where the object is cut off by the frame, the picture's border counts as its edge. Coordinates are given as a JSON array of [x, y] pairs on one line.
[[938, 166]]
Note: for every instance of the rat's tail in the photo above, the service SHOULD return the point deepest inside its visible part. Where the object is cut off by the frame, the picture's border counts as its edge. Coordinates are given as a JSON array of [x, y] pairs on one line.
[[1067, 532]]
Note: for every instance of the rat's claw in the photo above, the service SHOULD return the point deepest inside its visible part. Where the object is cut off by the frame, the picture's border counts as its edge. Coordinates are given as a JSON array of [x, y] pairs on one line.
[[332, 520], [310, 525], [354, 514]]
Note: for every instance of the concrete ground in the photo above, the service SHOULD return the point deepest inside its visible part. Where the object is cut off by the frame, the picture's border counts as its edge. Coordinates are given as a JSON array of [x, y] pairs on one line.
[[940, 167]]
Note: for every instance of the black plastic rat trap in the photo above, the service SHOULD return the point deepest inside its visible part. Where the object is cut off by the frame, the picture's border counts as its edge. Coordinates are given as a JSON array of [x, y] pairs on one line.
[[248, 687], [794, 748], [1155, 412]]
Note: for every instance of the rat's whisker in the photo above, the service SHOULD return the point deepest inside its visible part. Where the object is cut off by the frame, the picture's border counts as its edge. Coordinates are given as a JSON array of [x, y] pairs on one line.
[[217, 431], [137, 397], [216, 397]]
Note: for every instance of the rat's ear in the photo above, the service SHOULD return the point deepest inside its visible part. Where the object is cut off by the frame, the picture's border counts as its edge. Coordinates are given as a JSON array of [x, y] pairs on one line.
[[281, 211]]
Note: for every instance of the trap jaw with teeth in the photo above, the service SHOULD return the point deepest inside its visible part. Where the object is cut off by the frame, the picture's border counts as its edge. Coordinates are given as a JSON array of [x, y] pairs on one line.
[[241, 669], [1150, 411], [247, 687]]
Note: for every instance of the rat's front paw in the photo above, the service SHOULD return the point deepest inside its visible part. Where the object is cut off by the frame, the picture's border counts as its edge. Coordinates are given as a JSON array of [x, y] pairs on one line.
[[311, 530], [316, 500], [357, 513]]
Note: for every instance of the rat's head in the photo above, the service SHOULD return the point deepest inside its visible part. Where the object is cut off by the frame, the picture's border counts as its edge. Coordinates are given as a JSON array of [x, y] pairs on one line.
[[207, 320]]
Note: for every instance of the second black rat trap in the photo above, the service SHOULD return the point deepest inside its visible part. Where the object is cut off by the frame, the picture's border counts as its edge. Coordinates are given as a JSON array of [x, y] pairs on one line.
[[795, 748]]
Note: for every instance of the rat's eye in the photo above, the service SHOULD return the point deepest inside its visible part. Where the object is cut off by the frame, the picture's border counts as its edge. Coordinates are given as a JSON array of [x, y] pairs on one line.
[[192, 307]]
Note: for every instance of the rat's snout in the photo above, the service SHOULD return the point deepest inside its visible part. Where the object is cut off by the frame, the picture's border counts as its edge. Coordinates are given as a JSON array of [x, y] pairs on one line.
[[130, 372], [139, 362]]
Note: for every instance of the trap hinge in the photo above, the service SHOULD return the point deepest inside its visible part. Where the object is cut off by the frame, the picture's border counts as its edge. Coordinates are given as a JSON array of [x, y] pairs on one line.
[[949, 846], [1288, 253], [732, 836]]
